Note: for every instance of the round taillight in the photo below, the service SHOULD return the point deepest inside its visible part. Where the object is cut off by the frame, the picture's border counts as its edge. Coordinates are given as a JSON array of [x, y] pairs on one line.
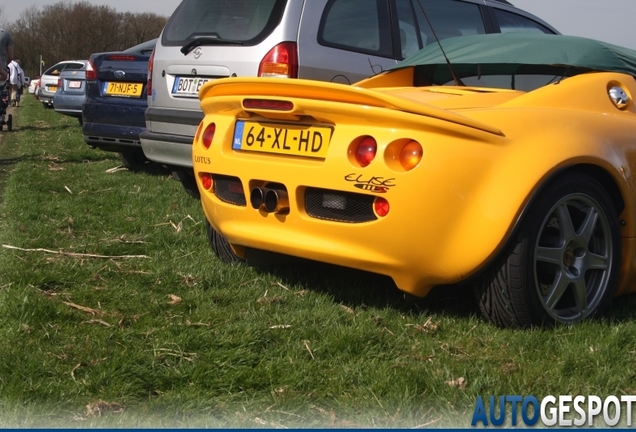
[[365, 151], [208, 135], [198, 134], [411, 155], [381, 207], [206, 181]]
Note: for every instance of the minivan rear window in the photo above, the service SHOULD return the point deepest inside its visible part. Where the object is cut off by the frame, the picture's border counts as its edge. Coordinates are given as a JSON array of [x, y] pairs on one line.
[[357, 25], [511, 22], [246, 21]]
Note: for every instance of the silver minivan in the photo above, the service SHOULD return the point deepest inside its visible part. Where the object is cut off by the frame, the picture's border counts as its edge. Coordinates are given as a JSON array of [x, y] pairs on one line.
[[331, 40]]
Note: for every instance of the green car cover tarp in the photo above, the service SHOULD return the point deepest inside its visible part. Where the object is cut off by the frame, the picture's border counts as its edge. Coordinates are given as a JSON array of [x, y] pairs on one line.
[[508, 53]]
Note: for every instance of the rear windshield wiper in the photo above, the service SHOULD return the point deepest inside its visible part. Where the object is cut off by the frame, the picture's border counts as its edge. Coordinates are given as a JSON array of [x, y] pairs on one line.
[[207, 40]]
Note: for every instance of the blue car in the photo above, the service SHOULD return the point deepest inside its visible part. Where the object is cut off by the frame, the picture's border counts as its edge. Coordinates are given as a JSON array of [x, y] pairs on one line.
[[71, 92], [116, 101]]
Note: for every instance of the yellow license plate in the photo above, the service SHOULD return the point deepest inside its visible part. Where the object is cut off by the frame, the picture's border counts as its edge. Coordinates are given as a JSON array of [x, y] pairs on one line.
[[123, 89], [52, 88], [288, 139]]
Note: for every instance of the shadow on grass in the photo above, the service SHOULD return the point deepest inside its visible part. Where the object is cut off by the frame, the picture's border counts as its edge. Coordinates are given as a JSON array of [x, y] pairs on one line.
[[623, 308], [43, 127], [12, 160], [150, 168], [355, 288], [40, 158]]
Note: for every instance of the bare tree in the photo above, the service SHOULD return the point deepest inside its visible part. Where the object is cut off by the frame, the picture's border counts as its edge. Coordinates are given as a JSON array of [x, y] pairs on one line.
[[26, 39], [74, 30], [140, 27]]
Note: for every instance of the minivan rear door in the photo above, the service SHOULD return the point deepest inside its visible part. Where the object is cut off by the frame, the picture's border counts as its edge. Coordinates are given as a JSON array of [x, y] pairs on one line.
[[345, 40]]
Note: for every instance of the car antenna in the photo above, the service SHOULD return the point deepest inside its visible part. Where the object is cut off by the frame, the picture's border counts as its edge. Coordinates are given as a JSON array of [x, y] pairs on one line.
[[458, 82]]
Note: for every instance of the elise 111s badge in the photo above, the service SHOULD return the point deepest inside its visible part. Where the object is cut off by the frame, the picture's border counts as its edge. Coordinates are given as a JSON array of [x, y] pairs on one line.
[[371, 184]]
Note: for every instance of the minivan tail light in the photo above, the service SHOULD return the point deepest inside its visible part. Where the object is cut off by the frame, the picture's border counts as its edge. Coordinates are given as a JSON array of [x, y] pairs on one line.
[[59, 83], [151, 63], [280, 62], [91, 73]]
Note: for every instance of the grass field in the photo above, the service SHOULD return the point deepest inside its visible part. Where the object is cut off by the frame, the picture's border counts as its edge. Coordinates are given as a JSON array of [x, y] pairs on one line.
[[114, 312]]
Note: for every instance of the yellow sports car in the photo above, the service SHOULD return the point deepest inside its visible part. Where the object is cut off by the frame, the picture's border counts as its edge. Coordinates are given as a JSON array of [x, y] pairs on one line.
[[504, 162]]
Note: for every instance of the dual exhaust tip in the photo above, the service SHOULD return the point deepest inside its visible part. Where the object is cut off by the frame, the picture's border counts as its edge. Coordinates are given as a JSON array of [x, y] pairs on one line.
[[270, 200]]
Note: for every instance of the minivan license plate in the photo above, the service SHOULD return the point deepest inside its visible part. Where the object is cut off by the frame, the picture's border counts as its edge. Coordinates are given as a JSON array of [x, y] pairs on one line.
[[188, 87], [288, 139]]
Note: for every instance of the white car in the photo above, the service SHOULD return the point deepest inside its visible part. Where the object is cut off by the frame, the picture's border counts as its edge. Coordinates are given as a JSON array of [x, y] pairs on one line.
[[48, 80], [33, 85]]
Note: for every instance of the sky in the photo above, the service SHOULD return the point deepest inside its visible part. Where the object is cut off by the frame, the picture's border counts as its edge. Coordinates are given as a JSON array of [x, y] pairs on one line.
[[607, 20]]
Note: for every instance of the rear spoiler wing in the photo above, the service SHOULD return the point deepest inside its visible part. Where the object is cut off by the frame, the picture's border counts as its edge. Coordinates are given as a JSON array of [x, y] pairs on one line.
[[333, 92]]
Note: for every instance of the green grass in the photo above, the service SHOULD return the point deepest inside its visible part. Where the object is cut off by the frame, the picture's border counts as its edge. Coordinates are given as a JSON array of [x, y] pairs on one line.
[[92, 341]]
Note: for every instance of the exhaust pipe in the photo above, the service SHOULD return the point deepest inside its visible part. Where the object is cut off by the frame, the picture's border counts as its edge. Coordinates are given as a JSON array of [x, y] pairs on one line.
[[257, 197], [269, 200], [276, 201]]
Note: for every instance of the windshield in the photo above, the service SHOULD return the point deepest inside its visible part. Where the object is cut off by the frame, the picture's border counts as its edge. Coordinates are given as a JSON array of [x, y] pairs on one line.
[[142, 48], [523, 82], [500, 76], [248, 21]]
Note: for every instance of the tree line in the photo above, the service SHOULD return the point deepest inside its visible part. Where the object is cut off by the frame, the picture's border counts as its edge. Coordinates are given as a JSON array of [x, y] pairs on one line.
[[74, 30]]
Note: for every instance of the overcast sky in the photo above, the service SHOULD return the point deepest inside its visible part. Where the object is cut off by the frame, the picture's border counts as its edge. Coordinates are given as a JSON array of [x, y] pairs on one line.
[[608, 20]]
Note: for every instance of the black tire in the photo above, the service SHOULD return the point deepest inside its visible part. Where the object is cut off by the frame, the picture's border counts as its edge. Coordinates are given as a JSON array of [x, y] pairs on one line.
[[221, 247], [10, 122], [188, 182], [133, 160], [564, 263]]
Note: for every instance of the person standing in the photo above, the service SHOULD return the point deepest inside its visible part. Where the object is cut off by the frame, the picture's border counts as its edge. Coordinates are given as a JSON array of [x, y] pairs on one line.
[[6, 53], [16, 82]]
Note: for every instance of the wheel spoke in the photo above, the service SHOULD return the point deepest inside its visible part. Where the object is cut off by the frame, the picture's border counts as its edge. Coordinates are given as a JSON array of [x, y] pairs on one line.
[[561, 282], [586, 230], [580, 295], [597, 262], [565, 223], [550, 255]]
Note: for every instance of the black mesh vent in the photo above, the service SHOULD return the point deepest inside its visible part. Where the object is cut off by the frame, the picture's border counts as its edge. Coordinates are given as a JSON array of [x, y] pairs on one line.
[[339, 206], [229, 189]]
